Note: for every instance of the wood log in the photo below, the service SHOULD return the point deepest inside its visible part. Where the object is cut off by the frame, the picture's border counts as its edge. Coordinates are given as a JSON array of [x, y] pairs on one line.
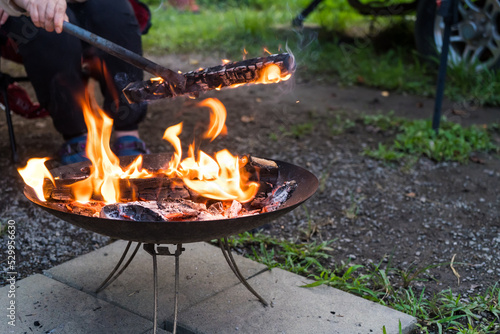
[[241, 72], [263, 171], [149, 189]]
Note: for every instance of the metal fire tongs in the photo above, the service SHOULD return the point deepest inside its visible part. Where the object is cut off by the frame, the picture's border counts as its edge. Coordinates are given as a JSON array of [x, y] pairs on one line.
[[175, 81], [192, 83]]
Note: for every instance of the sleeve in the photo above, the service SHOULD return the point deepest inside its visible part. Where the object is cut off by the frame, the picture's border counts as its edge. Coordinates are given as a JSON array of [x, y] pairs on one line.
[[10, 7]]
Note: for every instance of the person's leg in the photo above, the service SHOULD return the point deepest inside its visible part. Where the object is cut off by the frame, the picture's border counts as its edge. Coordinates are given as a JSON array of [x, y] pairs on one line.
[[115, 20], [53, 64]]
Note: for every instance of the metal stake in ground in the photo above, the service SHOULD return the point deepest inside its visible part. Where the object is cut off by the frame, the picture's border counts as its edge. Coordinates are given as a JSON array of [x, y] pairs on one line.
[[449, 10]]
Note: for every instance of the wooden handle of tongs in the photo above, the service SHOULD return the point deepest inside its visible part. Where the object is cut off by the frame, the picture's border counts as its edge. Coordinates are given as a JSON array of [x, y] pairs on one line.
[[174, 79]]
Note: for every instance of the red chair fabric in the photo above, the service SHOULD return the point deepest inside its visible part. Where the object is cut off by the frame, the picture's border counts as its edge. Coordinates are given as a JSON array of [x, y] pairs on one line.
[[143, 15]]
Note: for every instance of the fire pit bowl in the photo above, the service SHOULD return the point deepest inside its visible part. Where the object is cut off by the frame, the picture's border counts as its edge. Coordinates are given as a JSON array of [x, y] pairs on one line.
[[177, 232]]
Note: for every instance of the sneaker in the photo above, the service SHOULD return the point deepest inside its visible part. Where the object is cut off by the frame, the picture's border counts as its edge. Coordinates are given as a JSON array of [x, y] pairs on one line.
[[73, 150], [129, 145]]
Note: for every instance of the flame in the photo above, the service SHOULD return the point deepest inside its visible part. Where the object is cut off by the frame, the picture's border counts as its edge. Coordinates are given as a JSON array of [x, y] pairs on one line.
[[217, 118], [225, 61], [272, 74], [34, 174], [172, 136], [226, 183], [105, 170], [221, 177]]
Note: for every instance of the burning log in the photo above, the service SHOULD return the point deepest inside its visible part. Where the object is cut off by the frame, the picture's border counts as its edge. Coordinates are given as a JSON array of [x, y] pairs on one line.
[[235, 73], [162, 198], [160, 187], [166, 210], [149, 189]]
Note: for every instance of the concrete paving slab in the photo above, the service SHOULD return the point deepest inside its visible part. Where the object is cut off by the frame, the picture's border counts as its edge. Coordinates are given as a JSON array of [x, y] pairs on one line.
[[43, 305], [211, 300], [203, 273], [293, 310]]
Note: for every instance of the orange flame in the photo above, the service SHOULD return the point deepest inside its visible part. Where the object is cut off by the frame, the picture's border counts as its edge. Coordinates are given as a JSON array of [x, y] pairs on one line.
[[34, 174], [220, 178], [217, 118], [272, 74], [171, 135], [105, 170]]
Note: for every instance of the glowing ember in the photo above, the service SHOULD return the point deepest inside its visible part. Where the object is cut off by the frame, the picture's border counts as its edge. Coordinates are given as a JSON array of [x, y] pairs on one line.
[[157, 79]]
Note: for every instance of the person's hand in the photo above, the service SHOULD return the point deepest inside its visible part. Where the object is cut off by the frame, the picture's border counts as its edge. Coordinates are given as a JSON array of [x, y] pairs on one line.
[[46, 14], [3, 16]]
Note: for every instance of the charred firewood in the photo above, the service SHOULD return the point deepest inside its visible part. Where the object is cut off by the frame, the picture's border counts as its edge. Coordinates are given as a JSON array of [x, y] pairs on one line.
[[152, 189], [263, 171], [278, 196], [241, 72], [138, 211], [180, 209], [149, 189], [167, 210]]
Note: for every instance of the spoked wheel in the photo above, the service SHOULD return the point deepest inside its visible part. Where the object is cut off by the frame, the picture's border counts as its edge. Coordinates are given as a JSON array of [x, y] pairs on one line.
[[475, 39]]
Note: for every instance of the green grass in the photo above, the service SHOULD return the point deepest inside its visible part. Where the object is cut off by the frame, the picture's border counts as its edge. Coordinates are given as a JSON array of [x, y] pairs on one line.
[[443, 312], [3, 227], [338, 125], [454, 142], [384, 59]]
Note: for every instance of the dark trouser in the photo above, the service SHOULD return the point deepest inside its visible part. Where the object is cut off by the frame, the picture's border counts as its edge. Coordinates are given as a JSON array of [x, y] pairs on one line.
[[53, 63]]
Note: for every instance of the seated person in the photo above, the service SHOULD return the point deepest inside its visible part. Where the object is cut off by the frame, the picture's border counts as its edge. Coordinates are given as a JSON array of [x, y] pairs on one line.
[[53, 63]]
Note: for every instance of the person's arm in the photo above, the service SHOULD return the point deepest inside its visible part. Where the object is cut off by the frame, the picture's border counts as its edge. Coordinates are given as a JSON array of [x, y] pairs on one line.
[[46, 14]]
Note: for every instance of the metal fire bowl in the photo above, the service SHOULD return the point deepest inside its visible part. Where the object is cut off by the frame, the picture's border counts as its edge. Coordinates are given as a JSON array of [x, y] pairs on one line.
[[176, 232]]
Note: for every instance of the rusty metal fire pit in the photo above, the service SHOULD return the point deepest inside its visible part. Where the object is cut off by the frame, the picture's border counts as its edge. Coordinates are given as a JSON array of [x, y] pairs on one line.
[[152, 233]]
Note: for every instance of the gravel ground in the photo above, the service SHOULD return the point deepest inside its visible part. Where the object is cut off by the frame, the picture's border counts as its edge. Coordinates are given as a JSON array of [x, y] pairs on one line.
[[416, 215]]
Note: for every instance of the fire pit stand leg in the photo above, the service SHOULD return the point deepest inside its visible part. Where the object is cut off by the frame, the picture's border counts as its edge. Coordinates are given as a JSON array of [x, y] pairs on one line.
[[150, 248], [110, 279], [226, 251]]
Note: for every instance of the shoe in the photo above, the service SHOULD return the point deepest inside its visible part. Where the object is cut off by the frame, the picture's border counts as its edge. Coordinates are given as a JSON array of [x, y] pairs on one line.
[[73, 150], [129, 145]]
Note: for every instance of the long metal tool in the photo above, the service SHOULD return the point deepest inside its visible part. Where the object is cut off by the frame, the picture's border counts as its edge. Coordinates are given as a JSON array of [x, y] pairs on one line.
[[248, 71], [176, 81]]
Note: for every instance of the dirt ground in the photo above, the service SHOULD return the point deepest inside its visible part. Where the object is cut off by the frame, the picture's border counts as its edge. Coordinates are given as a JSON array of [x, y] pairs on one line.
[[410, 216]]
